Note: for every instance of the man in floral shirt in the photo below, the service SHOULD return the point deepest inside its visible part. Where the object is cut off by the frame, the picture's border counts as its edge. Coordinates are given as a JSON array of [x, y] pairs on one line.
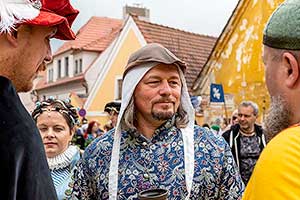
[[155, 143]]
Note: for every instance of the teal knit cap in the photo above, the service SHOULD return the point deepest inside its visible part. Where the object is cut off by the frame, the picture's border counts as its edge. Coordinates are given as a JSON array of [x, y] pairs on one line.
[[283, 28]]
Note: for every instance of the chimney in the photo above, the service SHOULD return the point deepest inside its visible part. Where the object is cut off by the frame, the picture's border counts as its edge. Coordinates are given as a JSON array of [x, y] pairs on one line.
[[138, 10]]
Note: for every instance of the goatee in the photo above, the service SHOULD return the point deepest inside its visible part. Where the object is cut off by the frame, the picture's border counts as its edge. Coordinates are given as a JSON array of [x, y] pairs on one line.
[[162, 116], [278, 117]]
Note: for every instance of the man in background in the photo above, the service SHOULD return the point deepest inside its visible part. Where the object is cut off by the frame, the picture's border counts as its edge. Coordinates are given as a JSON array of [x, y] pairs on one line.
[[113, 109], [246, 139], [233, 120]]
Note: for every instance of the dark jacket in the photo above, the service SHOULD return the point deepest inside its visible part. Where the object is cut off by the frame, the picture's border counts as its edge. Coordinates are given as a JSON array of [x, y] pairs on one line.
[[24, 171], [232, 137]]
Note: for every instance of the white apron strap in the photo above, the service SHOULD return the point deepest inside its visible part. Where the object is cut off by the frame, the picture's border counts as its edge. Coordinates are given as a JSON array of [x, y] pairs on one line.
[[189, 159], [114, 167]]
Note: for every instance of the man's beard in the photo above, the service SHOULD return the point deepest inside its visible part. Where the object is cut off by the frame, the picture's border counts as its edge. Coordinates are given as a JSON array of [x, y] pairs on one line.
[[162, 115], [278, 117]]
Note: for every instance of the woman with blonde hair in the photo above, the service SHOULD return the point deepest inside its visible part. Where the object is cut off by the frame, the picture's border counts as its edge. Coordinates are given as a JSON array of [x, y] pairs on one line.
[[56, 122]]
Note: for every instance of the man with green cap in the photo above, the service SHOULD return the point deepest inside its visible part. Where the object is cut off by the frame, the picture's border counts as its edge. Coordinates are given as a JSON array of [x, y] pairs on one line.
[[277, 172]]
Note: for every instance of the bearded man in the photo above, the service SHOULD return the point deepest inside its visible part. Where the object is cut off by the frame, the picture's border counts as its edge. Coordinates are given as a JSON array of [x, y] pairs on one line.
[[277, 172], [156, 143]]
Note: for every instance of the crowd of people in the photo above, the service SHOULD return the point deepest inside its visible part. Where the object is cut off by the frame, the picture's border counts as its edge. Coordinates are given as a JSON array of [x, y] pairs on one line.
[[87, 131], [151, 140]]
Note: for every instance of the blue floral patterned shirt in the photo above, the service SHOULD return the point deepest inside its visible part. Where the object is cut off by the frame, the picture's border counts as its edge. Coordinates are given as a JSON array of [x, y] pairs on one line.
[[159, 162]]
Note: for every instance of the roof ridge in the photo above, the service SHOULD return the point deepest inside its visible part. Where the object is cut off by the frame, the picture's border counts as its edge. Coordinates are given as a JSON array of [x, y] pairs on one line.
[[192, 48], [112, 32], [136, 19], [85, 38], [80, 30], [96, 17]]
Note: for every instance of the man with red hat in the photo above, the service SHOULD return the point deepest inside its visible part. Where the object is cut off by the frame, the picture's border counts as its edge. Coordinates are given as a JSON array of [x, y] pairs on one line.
[[26, 27]]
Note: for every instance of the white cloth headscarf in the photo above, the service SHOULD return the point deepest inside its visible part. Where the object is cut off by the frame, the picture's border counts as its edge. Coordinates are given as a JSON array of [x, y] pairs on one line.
[[131, 79]]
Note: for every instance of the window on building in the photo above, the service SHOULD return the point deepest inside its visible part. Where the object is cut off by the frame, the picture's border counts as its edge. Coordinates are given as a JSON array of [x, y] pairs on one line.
[[49, 71], [119, 89], [76, 67], [66, 66], [50, 75], [80, 65], [59, 69]]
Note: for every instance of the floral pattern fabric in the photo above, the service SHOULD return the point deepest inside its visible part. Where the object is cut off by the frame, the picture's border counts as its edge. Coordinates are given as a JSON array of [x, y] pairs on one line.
[[159, 162], [250, 151]]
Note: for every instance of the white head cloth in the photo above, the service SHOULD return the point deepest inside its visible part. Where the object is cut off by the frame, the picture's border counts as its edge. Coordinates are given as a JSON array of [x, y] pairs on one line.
[[128, 87], [13, 12]]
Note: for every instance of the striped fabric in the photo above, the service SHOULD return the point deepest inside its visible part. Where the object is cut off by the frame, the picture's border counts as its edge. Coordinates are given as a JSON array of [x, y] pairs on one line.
[[60, 175], [61, 168]]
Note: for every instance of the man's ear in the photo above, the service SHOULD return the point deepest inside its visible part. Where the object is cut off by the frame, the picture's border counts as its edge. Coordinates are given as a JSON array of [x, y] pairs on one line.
[[12, 38], [291, 69]]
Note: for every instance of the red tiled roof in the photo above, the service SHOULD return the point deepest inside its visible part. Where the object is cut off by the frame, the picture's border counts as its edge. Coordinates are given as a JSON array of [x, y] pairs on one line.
[[99, 32], [192, 48], [95, 35]]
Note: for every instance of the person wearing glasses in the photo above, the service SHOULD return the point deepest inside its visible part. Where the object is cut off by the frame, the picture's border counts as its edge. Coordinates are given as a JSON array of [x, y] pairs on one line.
[[234, 117], [233, 120], [113, 109], [246, 139]]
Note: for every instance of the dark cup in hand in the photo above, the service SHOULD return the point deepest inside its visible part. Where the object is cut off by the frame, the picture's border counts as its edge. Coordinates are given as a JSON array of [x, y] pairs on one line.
[[153, 194]]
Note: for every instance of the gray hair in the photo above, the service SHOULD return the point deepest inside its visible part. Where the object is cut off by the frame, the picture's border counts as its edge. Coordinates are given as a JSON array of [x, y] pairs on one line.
[[277, 53], [252, 104], [129, 117]]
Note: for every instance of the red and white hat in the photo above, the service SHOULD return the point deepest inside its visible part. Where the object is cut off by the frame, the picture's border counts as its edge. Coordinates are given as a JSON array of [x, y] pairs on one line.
[[58, 13]]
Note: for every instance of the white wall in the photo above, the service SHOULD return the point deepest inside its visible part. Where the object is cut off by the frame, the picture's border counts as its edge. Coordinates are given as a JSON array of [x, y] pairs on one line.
[[55, 65], [97, 67], [49, 66], [62, 92], [88, 58]]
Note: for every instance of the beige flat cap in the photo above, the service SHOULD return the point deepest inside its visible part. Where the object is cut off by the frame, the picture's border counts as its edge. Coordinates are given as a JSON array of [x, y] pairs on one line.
[[153, 52]]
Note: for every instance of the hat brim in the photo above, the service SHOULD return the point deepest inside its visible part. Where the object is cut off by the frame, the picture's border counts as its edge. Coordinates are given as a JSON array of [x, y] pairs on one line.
[[153, 52], [48, 18]]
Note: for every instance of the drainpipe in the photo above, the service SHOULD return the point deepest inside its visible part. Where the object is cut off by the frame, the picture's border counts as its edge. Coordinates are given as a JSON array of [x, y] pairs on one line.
[[85, 85]]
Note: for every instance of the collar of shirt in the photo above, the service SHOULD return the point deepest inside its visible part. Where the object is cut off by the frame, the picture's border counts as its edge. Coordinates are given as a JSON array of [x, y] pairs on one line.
[[162, 132]]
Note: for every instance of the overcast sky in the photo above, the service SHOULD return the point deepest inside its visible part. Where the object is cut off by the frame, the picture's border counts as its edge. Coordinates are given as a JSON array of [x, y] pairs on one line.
[[199, 16]]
